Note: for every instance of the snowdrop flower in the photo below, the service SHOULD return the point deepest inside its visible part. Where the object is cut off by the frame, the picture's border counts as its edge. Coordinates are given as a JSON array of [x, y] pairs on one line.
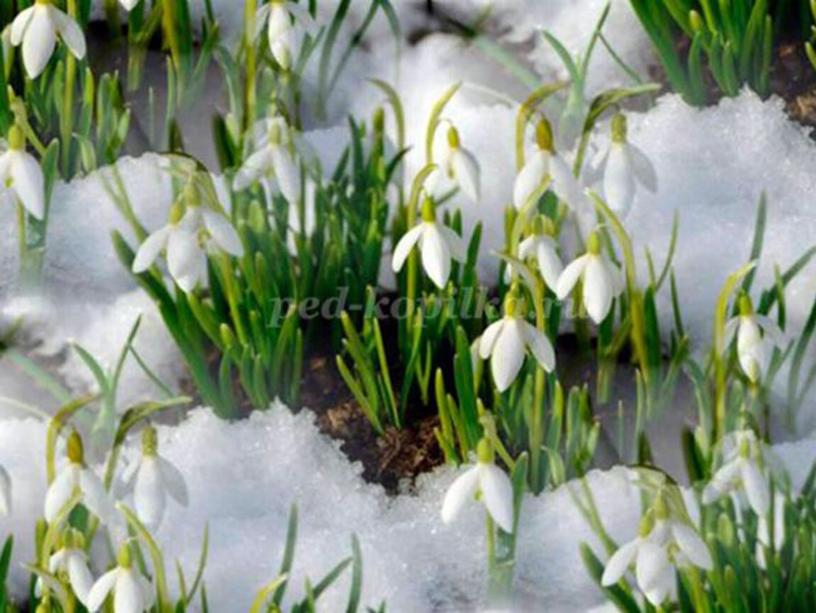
[[132, 593], [279, 17], [152, 480], [487, 481], [21, 175], [662, 545], [546, 164], [741, 470], [272, 158], [437, 242], [72, 560], [601, 279], [506, 343], [188, 236], [75, 476], [5, 493], [460, 166], [624, 167], [37, 29], [757, 336], [542, 246]]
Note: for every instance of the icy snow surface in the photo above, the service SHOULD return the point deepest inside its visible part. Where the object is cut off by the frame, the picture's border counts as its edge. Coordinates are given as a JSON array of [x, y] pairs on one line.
[[265, 464]]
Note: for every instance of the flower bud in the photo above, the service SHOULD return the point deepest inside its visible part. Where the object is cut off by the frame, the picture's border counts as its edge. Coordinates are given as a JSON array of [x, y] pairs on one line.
[[619, 128], [544, 136], [75, 450], [16, 138], [150, 442]]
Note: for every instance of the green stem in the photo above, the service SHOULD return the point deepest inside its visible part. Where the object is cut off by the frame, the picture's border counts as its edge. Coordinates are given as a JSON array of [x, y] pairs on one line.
[[250, 8], [67, 116], [537, 425]]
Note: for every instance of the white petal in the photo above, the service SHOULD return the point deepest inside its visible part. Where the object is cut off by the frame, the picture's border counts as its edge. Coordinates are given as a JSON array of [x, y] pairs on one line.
[[619, 180], [287, 174], [460, 491], [404, 246], [60, 491], [644, 169], [598, 290], [570, 276], [223, 233], [185, 259], [456, 245], [174, 481], [527, 247], [148, 493], [127, 597], [756, 487], [5, 492], [731, 329], [79, 575], [95, 497], [549, 264], [508, 355], [530, 178], [28, 182], [55, 562], [721, 482], [692, 546], [69, 31], [261, 17], [487, 342], [253, 168], [100, 590], [466, 172], [150, 249], [39, 42], [618, 563], [651, 564], [772, 331], [128, 5], [280, 21], [540, 346], [436, 259], [497, 492], [20, 24], [564, 184]]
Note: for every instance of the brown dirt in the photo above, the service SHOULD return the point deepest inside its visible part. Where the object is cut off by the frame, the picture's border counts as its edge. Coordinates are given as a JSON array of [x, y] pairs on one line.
[[394, 459]]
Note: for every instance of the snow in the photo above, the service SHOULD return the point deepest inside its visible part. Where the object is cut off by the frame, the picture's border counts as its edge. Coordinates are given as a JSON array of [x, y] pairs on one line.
[[410, 559]]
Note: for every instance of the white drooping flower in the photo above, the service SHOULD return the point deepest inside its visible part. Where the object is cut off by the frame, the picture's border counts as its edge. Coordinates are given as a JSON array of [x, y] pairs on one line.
[[76, 477], [662, 545], [72, 560], [132, 593], [507, 341], [37, 28], [490, 482], [546, 164], [743, 469], [541, 246], [460, 166], [188, 237], [280, 17], [271, 159], [5, 492], [152, 480], [624, 167], [602, 281], [21, 176], [757, 337], [437, 243]]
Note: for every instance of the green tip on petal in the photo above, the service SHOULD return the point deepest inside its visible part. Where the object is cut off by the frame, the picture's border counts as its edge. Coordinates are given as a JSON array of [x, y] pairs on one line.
[[544, 136], [594, 244], [75, 450], [428, 211], [484, 451], [16, 138], [619, 128], [150, 441], [453, 138]]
